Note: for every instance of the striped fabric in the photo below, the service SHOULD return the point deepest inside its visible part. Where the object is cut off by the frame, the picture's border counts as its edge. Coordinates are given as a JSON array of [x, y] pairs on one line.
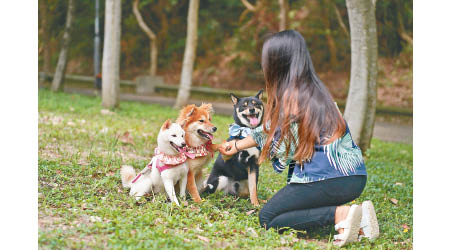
[[340, 158]]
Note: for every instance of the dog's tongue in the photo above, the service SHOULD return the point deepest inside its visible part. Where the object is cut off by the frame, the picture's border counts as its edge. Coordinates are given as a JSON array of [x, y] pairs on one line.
[[210, 136], [253, 120]]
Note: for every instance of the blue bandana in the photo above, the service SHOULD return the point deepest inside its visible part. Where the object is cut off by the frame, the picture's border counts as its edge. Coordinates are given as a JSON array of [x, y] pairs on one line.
[[238, 132]]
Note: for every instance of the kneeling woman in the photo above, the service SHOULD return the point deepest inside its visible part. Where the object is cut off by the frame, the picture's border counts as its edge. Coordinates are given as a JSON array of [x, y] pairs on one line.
[[305, 133]]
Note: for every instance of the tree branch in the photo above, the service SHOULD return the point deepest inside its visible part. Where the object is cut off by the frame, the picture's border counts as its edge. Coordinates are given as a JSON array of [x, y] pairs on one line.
[[141, 21], [340, 21], [249, 6]]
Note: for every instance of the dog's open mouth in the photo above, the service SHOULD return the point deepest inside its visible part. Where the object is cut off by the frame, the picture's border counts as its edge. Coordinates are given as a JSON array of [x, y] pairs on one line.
[[205, 134], [177, 148], [252, 119]]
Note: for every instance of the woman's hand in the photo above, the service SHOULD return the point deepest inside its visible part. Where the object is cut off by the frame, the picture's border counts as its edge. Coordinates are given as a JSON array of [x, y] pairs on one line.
[[228, 148]]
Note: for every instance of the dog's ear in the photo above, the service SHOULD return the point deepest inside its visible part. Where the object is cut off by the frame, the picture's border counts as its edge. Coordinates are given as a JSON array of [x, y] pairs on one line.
[[208, 107], [234, 98], [259, 95], [185, 113], [166, 124], [191, 111]]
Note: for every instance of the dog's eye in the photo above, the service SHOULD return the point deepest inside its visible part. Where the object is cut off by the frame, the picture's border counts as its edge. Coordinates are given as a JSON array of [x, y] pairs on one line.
[[201, 120], [174, 136]]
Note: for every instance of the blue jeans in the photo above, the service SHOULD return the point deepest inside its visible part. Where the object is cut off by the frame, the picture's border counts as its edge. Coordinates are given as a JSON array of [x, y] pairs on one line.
[[305, 205]]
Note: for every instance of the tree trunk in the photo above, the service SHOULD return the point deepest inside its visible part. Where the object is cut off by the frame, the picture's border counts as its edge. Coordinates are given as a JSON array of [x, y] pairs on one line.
[[284, 9], [151, 35], [43, 11], [62, 59], [362, 96], [111, 55], [189, 55]]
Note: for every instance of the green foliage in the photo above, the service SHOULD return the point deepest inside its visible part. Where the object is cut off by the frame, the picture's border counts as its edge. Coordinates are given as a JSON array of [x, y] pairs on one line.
[[82, 204], [222, 23]]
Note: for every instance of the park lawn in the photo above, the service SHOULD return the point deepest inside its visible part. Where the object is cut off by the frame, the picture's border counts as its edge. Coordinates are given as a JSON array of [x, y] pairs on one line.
[[83, 205]]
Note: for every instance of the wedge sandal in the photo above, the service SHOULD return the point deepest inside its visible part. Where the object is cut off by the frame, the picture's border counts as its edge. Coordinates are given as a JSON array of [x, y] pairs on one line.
[[351, 226], [369, 222]]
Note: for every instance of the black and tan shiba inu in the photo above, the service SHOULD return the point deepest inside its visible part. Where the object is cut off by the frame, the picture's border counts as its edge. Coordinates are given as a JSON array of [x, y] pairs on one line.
[[238, 175]]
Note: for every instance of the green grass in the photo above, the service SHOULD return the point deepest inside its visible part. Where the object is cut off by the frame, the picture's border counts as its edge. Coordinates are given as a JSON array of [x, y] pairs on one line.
[[83, 205]]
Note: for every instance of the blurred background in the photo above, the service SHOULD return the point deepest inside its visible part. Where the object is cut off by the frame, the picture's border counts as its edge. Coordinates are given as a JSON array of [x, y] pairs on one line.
[[229, 40]]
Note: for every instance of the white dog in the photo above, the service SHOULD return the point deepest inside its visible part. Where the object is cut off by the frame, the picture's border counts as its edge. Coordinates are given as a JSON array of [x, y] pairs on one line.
[[166, 168]]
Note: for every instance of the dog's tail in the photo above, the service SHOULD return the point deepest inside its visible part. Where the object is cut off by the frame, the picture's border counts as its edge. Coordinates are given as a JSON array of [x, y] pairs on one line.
[[127, 174]]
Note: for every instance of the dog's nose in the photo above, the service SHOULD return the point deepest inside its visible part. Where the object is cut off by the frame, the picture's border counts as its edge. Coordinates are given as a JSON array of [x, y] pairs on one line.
[[214, 129], [183, 145], [252, 110]]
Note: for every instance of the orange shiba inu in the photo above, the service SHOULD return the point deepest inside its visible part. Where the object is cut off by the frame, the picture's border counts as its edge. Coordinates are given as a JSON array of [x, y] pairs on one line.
[[196, 122]]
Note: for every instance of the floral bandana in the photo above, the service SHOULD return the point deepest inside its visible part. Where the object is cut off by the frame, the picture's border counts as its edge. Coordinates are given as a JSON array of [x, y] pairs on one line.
[[163, 162]]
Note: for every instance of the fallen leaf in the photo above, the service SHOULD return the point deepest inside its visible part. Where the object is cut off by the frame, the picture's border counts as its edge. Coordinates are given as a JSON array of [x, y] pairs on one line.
[[56, 120], [295, 240], [399, 184], [187, 240], [84, 206], [252, 231], [185, 203], [158, 221], [58, 171], [126, 138], [104, 130], [394, 201], [53, 184], [110, 173], [83, 163], [106, 112], [71, 109], [70, 123], [202, 238], [250, 212], [95, 219]]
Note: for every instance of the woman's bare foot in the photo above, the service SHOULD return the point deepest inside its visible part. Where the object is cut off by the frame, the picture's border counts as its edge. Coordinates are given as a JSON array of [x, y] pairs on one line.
[[340, 215], [348, 220]]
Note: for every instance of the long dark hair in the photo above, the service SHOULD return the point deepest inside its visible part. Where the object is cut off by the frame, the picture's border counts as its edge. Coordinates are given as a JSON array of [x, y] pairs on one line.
[[295, 94]]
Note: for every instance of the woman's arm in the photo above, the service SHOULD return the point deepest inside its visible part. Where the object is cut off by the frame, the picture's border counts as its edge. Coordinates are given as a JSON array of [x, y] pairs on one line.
[[234, 146]]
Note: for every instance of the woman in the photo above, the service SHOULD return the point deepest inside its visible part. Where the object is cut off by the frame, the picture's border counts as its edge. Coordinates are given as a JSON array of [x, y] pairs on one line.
[[310, 138]]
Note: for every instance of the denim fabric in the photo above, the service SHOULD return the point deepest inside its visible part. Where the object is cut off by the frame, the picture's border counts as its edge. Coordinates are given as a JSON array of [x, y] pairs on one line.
[[304, 205]]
